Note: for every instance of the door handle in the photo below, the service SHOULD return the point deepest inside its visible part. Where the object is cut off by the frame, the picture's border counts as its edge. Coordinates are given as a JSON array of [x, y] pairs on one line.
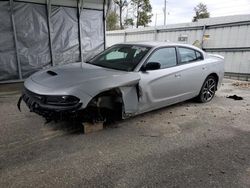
[[177, 75]]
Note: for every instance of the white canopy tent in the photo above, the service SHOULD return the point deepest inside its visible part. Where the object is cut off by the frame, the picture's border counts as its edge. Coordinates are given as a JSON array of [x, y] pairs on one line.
[[39, 33]]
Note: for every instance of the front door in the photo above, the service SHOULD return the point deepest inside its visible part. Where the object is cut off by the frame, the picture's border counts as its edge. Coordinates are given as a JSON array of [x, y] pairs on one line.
[[160, 87]]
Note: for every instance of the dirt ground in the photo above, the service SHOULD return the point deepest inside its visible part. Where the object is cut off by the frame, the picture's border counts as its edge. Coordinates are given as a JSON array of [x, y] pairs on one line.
[[184, 145]]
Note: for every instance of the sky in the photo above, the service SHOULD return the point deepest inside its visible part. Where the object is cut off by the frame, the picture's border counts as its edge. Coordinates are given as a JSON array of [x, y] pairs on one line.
[[180, 11]]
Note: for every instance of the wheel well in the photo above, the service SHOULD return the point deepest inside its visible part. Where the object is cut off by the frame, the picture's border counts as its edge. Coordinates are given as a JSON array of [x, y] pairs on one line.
[[114, 95], [105, 105], [216, 78]]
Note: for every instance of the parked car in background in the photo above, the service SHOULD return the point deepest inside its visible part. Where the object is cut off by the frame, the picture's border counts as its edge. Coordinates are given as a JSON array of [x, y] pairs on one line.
[[124, 80]]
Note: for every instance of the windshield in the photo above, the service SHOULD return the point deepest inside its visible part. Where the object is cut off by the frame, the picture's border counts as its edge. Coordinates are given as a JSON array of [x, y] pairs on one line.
[[120, 57]]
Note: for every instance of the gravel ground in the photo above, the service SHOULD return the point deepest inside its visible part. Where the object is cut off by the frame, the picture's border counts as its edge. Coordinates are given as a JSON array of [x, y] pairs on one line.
[[184, 145]]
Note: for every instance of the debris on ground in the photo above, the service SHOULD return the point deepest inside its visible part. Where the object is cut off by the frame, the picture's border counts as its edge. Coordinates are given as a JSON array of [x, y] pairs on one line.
[[241, 84], [235, 97], [222, 172]]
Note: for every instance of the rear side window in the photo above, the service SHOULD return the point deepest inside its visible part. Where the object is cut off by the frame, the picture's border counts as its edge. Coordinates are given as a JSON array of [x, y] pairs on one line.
[[188, 55], [165, 56]]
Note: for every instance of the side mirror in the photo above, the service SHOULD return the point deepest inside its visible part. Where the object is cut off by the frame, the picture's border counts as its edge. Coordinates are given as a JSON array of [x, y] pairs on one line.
[[151, 66]]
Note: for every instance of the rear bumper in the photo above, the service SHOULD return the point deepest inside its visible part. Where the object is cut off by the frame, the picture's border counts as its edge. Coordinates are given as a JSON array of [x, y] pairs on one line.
[[35, 103]]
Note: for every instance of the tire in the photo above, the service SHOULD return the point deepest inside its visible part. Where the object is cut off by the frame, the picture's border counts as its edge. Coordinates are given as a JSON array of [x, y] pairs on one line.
[[208, 90]]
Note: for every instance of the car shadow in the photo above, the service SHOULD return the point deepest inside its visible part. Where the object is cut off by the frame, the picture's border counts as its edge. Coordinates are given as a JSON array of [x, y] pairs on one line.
[[76, 127]]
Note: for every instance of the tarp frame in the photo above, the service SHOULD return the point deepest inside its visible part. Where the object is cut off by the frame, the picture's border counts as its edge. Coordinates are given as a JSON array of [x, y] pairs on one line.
[[48, 6], [104, 21], [80, 5], [15, 40], [79, 11]]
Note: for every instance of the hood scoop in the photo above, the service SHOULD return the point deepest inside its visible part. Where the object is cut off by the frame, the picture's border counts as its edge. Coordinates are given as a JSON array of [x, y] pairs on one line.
[[52, 73]]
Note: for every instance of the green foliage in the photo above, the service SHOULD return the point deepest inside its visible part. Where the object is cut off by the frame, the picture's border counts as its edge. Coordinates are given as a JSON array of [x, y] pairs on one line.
[[112, 20], [200, 12], [143, 12], [121, 4], [128, 22]]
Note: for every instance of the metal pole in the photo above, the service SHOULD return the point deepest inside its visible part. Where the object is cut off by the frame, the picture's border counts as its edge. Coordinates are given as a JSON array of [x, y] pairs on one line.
[[155, 34], [125, 36], [79, 7], [15, 40], [165, 11], [48, 2], [104, 23], [155, 19], [202, 38]]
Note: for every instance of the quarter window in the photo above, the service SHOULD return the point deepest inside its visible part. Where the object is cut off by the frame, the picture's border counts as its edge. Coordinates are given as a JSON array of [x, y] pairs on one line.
[[165, 56], [188, 55], [198, 55]]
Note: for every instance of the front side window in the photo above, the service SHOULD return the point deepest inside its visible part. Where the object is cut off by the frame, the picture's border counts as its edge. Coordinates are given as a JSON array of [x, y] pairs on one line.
[[121, 57], [188, 55], [165, 56]]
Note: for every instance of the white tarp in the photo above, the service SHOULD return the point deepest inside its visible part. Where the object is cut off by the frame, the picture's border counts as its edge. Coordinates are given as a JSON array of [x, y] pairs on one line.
[[8, 63], [92, 32], [65, 35], [32, 35]]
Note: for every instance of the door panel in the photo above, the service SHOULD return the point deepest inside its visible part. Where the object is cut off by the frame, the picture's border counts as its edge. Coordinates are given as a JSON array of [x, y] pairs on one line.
[[159, 88], [164, 87], [170, 85]]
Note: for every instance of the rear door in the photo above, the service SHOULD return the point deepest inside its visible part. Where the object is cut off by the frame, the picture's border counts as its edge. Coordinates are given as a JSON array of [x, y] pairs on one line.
[[192, 69]]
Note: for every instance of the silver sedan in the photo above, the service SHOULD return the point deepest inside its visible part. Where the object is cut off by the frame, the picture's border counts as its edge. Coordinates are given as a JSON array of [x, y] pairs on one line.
[[124, 80]]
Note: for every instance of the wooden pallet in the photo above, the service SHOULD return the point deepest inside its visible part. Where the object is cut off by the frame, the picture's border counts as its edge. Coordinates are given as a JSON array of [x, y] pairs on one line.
[[92, 127]]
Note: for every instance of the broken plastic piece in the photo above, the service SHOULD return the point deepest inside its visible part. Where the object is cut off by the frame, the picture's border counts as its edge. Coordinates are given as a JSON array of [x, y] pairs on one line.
[[19, 103], [235, 97]]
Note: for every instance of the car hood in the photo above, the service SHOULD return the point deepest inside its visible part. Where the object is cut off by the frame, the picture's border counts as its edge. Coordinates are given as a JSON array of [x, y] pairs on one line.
[[90, 78]]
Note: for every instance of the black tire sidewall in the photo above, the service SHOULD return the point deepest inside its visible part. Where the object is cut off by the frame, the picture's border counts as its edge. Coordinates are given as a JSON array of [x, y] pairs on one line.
[[200, 97]]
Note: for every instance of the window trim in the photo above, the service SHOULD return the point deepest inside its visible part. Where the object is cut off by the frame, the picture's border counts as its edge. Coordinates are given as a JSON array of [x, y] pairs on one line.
[[179, 55], [158, 48]]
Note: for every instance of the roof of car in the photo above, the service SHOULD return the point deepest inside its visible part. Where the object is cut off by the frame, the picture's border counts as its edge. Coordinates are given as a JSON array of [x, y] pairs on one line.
[[160, 44]]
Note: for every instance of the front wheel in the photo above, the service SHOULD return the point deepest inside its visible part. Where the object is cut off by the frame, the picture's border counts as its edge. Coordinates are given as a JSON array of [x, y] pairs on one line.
[[208, 90]]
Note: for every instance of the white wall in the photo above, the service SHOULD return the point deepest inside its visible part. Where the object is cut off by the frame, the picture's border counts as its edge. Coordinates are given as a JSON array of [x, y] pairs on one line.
[[228, 36]]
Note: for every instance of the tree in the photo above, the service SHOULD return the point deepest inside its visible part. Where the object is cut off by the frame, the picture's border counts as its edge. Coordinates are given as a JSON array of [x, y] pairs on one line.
[[200, 12], [129, 22], [121, 4], [112, 20], [143, 12]]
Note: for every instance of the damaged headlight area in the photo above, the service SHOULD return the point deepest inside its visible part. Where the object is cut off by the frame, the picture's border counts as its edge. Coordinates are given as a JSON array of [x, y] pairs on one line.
[[52, 107], [64, 100]]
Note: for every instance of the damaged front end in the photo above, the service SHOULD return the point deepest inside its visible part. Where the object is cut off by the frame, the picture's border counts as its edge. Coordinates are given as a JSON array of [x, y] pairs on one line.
[[51, 107]]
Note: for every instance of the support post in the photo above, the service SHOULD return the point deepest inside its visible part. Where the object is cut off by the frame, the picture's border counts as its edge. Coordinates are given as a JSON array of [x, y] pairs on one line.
[[48, 3], [202, 38], [155, 34], [104, 22], [79, 8], [15, 40], [165, 12], [125, 36]]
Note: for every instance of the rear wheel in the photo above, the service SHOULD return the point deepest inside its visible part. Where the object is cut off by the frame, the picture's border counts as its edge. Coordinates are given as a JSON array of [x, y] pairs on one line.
[[208, 90]]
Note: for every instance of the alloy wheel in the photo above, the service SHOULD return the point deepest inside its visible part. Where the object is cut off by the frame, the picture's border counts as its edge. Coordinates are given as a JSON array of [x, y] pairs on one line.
[[209, 89]]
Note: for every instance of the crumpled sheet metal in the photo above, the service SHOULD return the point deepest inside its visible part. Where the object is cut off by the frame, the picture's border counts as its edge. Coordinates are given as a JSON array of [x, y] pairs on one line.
[[8, 62]]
